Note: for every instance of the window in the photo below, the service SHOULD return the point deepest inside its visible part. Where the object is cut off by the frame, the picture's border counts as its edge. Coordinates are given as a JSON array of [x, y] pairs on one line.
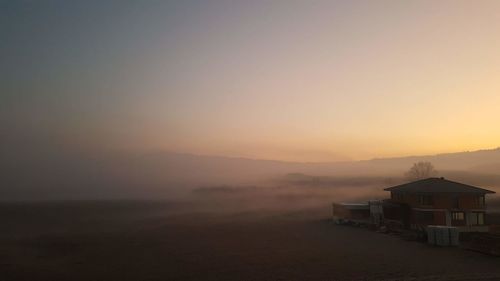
[[479, 201], [458, 216], [397, 196], [425, 200], [480, 218], [477, 218]]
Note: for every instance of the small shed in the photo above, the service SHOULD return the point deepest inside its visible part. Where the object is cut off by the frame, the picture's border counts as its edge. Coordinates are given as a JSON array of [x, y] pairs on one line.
[[354, 212]]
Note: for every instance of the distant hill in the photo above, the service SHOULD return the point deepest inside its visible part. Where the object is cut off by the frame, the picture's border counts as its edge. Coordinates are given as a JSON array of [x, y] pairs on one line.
[[487, 161], [196, 169], [478, 166], [67, 173], [491, 168]]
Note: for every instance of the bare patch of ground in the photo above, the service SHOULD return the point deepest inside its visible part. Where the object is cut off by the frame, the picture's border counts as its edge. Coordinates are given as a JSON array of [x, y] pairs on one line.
[[155, 241]]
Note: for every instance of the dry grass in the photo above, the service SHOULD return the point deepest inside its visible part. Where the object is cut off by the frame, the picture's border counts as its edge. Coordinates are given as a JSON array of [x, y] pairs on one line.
[[214, 238]]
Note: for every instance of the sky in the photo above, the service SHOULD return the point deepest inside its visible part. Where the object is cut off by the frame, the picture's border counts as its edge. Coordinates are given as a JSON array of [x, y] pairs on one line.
[[285, 80]]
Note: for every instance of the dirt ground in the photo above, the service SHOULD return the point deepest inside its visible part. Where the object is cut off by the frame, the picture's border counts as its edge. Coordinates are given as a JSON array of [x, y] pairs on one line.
[[176, 241]]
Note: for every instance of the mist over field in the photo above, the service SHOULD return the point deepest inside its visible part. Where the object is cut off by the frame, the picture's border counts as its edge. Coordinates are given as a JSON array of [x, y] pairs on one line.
[[42, 171], [207, 140]]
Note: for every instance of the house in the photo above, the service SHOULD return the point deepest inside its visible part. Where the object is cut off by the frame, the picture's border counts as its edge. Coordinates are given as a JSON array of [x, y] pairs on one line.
[[438, 201]]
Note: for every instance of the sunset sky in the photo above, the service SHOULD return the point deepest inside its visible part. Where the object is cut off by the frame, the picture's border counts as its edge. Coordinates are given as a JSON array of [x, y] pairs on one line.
[[285, 80]]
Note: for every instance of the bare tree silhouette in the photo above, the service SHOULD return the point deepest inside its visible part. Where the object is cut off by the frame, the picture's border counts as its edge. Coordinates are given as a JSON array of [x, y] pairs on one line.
[[421, 170]]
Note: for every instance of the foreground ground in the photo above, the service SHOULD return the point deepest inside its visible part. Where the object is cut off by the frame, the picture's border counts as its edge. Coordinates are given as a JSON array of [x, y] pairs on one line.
[[176, 241]]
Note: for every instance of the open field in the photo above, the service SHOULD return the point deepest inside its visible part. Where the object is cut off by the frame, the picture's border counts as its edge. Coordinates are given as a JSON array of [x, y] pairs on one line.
[[202, 240]]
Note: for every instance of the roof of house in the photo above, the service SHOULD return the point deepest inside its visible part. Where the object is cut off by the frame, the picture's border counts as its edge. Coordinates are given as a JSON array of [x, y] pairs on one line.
[[437, 185], [355, 206]]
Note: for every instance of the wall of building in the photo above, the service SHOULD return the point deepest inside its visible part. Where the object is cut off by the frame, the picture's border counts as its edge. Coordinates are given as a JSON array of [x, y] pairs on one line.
[[442, 208], [439, 218], [440, 200]]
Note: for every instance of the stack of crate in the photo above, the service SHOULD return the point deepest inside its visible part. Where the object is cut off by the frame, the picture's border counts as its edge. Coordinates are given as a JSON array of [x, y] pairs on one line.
[[442, 235]]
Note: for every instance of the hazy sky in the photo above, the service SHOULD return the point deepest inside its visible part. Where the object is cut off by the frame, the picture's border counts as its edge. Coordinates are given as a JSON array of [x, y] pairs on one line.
[[289, 80]]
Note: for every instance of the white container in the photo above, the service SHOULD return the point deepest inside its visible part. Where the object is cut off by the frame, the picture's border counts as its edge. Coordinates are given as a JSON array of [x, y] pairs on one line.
[[442, 236], [431, 235], [454, 236]]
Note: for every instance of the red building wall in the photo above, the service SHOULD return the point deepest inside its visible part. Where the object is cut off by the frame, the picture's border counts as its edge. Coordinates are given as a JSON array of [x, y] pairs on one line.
[[442, 203], [440, 200], [439, 218]]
